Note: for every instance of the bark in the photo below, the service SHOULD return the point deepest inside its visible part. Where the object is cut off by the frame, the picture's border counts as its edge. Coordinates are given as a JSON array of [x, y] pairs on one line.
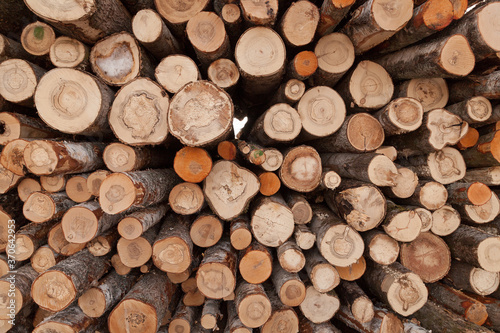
[[486, 153], [252, 304], [289, 92], [42, 207], [76, 188], [428, 194], [21, 126], [210, 314], [301, 209], [135, 224], [383, 321], [119, 157], [380, 247], [475, 110], [332, 13], [234, 323], [19, 79], [323, 276], [304, 237], [290, 257], [485, 85], [37, 38], [464, 276], [29, 238], [260, 14], [356, 300], [22, 278], [14, 16], [71, 319], [183, 319]]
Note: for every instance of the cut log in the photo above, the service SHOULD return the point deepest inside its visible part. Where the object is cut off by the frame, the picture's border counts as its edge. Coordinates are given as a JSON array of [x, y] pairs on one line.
[[109, 290], [12, 157], [402, 115], [174, 71], [405, 183], [269, 183], [426, 217], [302, 66], [403, 290], [431, 92], [261, 74], [59, 244], [28, 239], [136, 252], [298, 24], [19, 126], [60, 285], [227, 150], [380, 247], [119, 157], [255, 263], [279, 124], [283, 318], [251, 152], [234, 324], [8, 180], [206, 230], [252, 304], [464, 276], [232, 17], [26, 187], [10, 48], [307, 326], [480, 214], [474, 110], [319, 307], [289, 92], [44, 258], [259, 13], [153, 34], [216, 276], [445, 221], [322, 112], [42, 207], [93, 181], [486, 153], [301, 209], [177, 14], [240, 234], [76, 188], [71, 319], [358, 303], [119, 59], [119, 267], [144, 306], [354, 271], [15, 291], [274, 159], [469, 140], [18, 80], [340, 244], [120, 191], [323, 276], [475, 193], [210, 314], [383, 321], [290, 257], [138, 115], [401, 223], [183, 319], [200, 114], [491, 304], [103, 244], [442, 57], [68, 52], [428, 194], [301, 169], [224, 73], [192, 164], [428, 256], [332, 13], [486, 86], [37, 38], [186, 198]]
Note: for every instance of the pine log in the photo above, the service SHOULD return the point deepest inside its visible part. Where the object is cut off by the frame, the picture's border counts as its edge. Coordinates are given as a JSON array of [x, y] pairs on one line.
[[138, 115], [323, 276], [68, 52], [261, 74], [18, 80], [210, 314], [44, 258], [60, 285], [322, 112], [432, 93], [332, 13], [224, 73], [252, 304], [319, 307], [59, 244], [474, 193], [186, 198], [302, 66], [15, 290], [277, 125], [76, 188], [476, 280], [20, 126], [290, 92], [298, 24], [234, 324], [144, 306], [29, 238], [358, 303], [428, 256], [216, 276], [206, 230], [269, 183], [492, 305], [192, 164], [380, 247], [26, 187], [290, 257], [136, 252], [37, 38], [42, 207], [120, 191], [227, 150], [486, 153], [176, 70], [240, 234], [401, 223], [485, 85], [383, 321], [94, 181], [70, 320], [283, 318]]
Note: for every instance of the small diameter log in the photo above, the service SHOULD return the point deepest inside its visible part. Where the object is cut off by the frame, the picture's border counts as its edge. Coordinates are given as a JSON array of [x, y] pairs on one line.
[[29, 238], [63, 102], [234, 324], [43, 157], [76, 188], [338, 243], [358, 303], [383, 321], [444, 57], [380, 247], [12, 49], [135, 224], [26, 187], [405, 183], [301, 209], [456, 301], [298, 23], [332, 13], [144, 306], [279, 124], [15, 291], [440, 129], [301, 169], [290, 257], [486, 153], [186, 198], [119, 157], [229, 188], [322, 112], [464, 276], [283, 318], [42, 207], [354, 271], [428, 194], [71, 319], [119, 267], [93, 181], [492, 305], [272, 221], [319, 307], [177, 16], [468, 140], [227, 150], [438, 319], [289, 92], [213, 121], [428, 256], [136, 252], [12, 157], [119, 59], [485, 85], [192, 164], [224, 73], [401, 223], [175, 71], [210, 314], [474, 110], [153, 34], [232, 17], [44, 258], [120, 191], [138, 115], [240, 233], [252, 304], [403, 290], [269, 183], [37, 38], [206, 230], [302, 66], [68, 52], [480, 214], [274, 159], [323, 276], [19, 126], [432, 93], [59, 244], [60, 285], [183, 319], [400, 116], [359, 133], [475, 193], [259, 13], [216, 276], [475, 247], [426, 217], [18, 81], [445, 221], [109, 290], [207, 35], [262, 75], [375, 21]]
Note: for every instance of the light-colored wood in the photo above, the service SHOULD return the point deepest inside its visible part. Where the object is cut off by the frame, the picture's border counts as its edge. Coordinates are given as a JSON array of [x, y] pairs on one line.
[[307, 326], [69, 320], [252, 304], [283, 318], [42, 207], [298, 23], [119, 157], [234, 324], [44, 258], [12, 157], [136, 252], [319, 307], [186, 198], [445, 221], [401, 223], [426, 217], [59, 244], [279, 124], [206, 230], [301, 169], [19, 126], [8, 180], [192, 164], [380, 247], [53, 184], [432, 93], [103, 244], [323, 276], [119, 267], [28, 239], [240, 234], [474, 110], [37, 38], [360, 305], [480, 214], [290, 92], [402, 115], [174, 71], [428, 194], [260, 12], [304, 237], [10, 48], [476, 280], [76, 188], [94, 181], [210, 314], [18, 81], [232, 17], [389, 151], [69, 53], [26, 187], [274, 159], [224, 73], [19, 293], [301, 209], [178, 14], [290, 257], [255, 263], [332, 13]]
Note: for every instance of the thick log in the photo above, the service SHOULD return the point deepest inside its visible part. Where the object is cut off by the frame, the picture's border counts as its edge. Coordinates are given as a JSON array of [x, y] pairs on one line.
[[224, 73], [302, 66], [59, 244], [383, 321], [71, 319], [137, 252], [332, 13], [20, 126], [380, 247], [319, 307], [210, 314], [298, 24], [464, 276], [290, 257], [76, 188], [277, 125], [15, 290], [356, 300], [405, 183], [175, 71], [26, 187], [18, 80], [301, 169], [68, 52], [252, 304], [240, 234], [402, 223], [42, 207], [402, 115], [177, 15], [94, 181], [44, 258], [432, 93], [135, 224], [186, 198], [37, 38], [192, 164], [445, 220], [255, 263], [486, 85], [144, 306], [29, 238]]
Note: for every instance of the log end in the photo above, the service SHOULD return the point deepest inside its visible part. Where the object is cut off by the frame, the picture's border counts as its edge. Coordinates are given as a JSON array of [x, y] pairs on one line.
[[53, 291]]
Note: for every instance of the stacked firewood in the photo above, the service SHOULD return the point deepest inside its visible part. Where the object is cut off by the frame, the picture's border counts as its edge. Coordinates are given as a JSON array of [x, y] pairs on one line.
[[360, 195]]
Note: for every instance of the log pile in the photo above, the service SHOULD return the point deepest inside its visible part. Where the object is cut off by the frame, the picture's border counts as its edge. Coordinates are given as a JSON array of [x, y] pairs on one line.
[[360, 195]]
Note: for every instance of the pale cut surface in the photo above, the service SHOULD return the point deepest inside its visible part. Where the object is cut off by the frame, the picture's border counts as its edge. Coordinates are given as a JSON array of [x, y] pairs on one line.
[[292, 292], [260, 51], [479, 108], [223, 72], [126, 315], [117, 193], [407, 113], [282, 122], [256, 266], [404, 226], [345, 246], [24, 247], [4, 293], [37, 38], [17, 81], [272, 224], [446, 166], [68, 100], [39, 207], [318, 307], [172, 255], [206, 230], [431, 92], [69, 10], [426, 218], [301, 169], [457, 57], [370, 85], [406, 182], [92, 302], [433, 195], [147, 26], [134, 253], [53, 291], [138, 115], [186, 198], [177, 12], [53, 327], [175, 71], [325, 277], [484, 282], [392, 15], [206, 31], [274, 159], [407, 294], [484, 213], [260, 12], [209, 277], [119, 157], [321, 110], [79, 225], [95, 179], [489, 254], [254, 310], [381, 171], [26, 187], [302, 17], [77, 190], [335, 53], [445, 221], [364, 132], [11, 128], [43, 259], [283, 321], [383, 249], [489, 28], [67, 52], [368, 207]]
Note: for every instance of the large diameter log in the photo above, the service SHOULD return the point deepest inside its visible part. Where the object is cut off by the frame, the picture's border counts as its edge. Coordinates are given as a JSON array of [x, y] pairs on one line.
[[431, 92], [144, 306], [42, 207], [475, 247], [216, 276], [18, 126], [301, 169], [60, 285], [428, 256], [319, 307], [255, 263], [332, 13], [298, 23], [120, 191], [15, 291], [138, 115], [375, 21], [70, 320], [229, 188], [252, 304], [200, 114], [464, 276], [402, 223], [485, 85], [444, 57], [43, 157], [175, 71], [68, 52], [279, 124], [402, 115], [445, 220], [137, 252], [380, 247], [206, 229], [383, 321], [261, 74], [18, 81], [272, 221], [358, 303], [135, 224], [403, 290]]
